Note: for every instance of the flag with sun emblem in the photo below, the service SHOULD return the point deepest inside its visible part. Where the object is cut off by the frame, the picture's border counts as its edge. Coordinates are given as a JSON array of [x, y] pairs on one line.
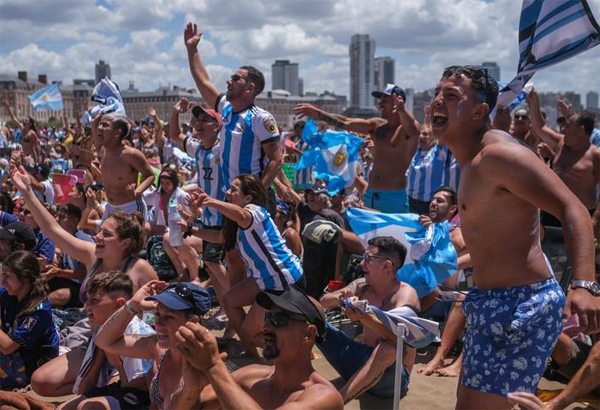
[[47, 98], [333, 154]]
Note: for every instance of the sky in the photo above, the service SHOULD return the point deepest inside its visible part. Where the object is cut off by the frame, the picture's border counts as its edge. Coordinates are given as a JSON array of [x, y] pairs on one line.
[[142, 40]]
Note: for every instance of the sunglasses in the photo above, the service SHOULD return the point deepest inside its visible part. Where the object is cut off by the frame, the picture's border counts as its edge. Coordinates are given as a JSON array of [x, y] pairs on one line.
[[521, 117], [236, 77], [369, 257], [281, 319], [185, 292]]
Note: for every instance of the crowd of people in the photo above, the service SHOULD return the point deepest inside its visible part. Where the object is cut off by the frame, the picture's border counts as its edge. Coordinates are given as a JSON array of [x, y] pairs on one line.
[[174, 231]]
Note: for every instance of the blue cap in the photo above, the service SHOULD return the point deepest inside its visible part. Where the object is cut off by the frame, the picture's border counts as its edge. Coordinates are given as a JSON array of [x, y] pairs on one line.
[[183, 296], [389, 90]]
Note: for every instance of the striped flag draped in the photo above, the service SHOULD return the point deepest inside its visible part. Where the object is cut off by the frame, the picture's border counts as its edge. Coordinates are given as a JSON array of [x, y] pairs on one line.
[[47, 98], [550, 32]]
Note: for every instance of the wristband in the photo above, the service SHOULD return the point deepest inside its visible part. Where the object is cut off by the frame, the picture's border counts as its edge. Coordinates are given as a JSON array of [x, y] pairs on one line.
[[189, 231], [130, 309]]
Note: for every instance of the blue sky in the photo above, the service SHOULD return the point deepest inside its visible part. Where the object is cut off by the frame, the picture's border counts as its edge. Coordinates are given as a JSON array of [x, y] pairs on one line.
[[142, 39]]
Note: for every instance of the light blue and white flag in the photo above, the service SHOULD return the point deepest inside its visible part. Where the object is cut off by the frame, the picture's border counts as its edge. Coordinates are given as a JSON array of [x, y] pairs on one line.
[[418, 332], [430, 259], [107, 95], [333, 154], [47, 98], [550, 32]]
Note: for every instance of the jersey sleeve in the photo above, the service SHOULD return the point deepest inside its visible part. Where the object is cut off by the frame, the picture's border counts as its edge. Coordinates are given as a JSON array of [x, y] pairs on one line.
[[220, 103], [191, 145], [31, 328], [265, 127], [257, 214]]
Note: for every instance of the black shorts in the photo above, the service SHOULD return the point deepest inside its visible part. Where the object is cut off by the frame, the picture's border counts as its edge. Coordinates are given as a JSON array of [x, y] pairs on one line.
[[212, 252], [64, 283], [128, 398]]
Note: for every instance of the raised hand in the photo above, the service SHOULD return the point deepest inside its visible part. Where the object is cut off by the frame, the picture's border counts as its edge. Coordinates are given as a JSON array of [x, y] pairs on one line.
[[191, 37], [533, 98], [306, 110], [20, 178], [198, 346], [151, 112], [90, 199], [563, 108], [398, 103], [139, 303], [182, 106]]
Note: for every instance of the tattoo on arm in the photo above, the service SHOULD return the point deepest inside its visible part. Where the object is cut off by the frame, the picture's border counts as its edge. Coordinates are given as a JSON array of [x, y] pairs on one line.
[[332, 119]]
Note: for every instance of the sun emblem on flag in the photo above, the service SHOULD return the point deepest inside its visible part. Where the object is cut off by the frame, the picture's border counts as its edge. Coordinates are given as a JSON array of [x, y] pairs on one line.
[[44, 97], [340, 157]]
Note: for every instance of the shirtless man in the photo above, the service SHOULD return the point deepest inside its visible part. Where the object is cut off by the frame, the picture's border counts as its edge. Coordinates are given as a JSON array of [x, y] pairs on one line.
[[370, 365], [292, 323], [514, 312], [120, 165], [395, 141], [29, 138], [577, 161]]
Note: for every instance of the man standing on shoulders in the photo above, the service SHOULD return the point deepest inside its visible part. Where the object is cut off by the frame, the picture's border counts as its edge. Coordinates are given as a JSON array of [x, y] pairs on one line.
[[395, 141], [514, 311], [249, 133]]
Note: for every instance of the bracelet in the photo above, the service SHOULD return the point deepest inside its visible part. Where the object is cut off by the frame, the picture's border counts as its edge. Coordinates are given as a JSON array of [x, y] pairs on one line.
[[189, 231], [130, 309]]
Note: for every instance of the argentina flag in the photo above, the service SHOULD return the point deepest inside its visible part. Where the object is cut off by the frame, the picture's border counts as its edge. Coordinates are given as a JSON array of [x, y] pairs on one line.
[[47, 98], [107, 95], [550, 32], [431, 257], [333, 154]]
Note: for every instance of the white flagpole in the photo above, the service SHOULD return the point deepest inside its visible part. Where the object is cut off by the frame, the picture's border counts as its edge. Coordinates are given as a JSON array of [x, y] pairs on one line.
[[400, 329]]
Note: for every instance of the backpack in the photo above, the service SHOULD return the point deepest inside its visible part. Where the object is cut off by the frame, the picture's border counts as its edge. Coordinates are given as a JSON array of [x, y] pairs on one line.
[[159, 260]]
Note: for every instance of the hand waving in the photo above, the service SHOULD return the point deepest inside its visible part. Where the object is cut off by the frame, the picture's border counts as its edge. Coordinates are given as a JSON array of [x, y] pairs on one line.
[[191, 36]]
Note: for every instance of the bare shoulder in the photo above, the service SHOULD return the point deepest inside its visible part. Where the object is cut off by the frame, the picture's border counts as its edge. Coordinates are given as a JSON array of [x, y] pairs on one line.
[[406, 295], [143, 270], [501, 149], [318, 393], [130, 152], [248, 375]]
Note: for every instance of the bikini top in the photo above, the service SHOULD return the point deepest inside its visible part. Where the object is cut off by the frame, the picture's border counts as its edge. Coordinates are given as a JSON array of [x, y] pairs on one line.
[[155, 395], [126, 265]]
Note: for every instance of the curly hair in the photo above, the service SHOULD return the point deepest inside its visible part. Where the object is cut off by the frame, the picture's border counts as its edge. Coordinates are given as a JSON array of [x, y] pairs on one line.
[[130, 227], [24, 265]]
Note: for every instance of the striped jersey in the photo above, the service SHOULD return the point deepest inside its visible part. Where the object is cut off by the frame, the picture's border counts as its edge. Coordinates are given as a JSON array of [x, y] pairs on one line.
[[268, 259], [242, 136], [429, 170], [209, 177]]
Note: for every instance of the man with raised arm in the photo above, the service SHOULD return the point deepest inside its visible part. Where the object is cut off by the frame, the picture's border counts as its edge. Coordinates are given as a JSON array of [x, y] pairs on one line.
[[120, 165], [249, 133], [514, 311], [395, 141]]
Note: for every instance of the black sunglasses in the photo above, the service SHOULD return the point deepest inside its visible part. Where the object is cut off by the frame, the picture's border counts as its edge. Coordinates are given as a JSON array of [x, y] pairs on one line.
[[522, 117], [185, 292], [369, 258], [236, 77], [281, 319]]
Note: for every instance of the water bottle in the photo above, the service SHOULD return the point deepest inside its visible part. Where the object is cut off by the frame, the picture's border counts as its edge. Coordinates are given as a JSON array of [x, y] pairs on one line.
[[175, 234]]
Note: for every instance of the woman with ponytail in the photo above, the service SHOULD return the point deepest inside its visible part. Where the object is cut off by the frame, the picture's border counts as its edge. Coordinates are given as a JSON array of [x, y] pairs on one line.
[[28, 337]]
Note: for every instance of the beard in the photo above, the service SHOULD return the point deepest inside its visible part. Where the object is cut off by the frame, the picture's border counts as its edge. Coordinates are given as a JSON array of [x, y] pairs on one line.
[[271, 351]]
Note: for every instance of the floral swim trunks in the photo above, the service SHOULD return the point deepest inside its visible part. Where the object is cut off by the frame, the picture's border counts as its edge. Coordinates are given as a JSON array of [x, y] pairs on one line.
[[510, 335]]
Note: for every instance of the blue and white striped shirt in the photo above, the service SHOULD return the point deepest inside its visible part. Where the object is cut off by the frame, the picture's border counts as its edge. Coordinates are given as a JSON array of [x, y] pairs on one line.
[[267, 257], [209, 177], [242, 136], [429, 170]]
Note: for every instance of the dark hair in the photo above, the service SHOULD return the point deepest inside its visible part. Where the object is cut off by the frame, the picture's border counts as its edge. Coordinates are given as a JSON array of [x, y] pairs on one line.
[[129, 227], [32, 124], [112, 281], [80, 188], [390, 247], [250, 185], [587, 120], [452, 197], [24, 265], [485, 85], [119, 123], [300, 124], [255, 76], [173, 177], [6, 202], [72, 211]]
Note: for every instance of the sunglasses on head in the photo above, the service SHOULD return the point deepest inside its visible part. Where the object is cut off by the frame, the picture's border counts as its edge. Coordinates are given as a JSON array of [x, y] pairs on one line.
[[369, 257], [185, 292], [476, 72], [281, 319]]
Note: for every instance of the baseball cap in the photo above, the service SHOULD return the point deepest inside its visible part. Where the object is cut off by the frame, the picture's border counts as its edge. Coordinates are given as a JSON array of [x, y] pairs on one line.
[[294, 300], [20, 233], [318, 189], [184, 295], [389, 90], [199, 110], [43, 169]]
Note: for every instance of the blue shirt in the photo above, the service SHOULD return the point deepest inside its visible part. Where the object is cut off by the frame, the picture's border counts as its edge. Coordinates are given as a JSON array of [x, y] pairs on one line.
[[242, 136], [35, 332], [209, 177], [430, 170], [268, 259]]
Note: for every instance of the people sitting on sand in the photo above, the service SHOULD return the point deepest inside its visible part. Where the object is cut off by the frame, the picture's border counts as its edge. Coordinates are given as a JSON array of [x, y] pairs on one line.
[[293, 322], [370, 367]]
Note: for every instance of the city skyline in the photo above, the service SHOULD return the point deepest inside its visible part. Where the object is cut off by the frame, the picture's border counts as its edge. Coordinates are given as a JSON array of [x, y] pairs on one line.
[[144, 44]]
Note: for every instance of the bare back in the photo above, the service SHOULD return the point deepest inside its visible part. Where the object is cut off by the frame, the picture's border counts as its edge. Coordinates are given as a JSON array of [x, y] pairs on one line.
[[117, 174], [391, 157], [580, 171], [501, 227]]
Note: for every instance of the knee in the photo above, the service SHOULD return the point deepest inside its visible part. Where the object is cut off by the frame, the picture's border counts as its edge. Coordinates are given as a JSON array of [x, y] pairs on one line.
[[384, 354], [92, 405], [41, 382]]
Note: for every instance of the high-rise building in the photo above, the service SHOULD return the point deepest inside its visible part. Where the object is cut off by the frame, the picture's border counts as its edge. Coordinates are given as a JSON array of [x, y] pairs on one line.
[[493, 69], [362, 79], [384, 72], [284, 76], [102, 70], [591, 101]]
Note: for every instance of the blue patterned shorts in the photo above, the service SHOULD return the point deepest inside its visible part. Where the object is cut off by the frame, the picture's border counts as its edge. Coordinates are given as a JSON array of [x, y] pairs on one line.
[[510, 335]]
